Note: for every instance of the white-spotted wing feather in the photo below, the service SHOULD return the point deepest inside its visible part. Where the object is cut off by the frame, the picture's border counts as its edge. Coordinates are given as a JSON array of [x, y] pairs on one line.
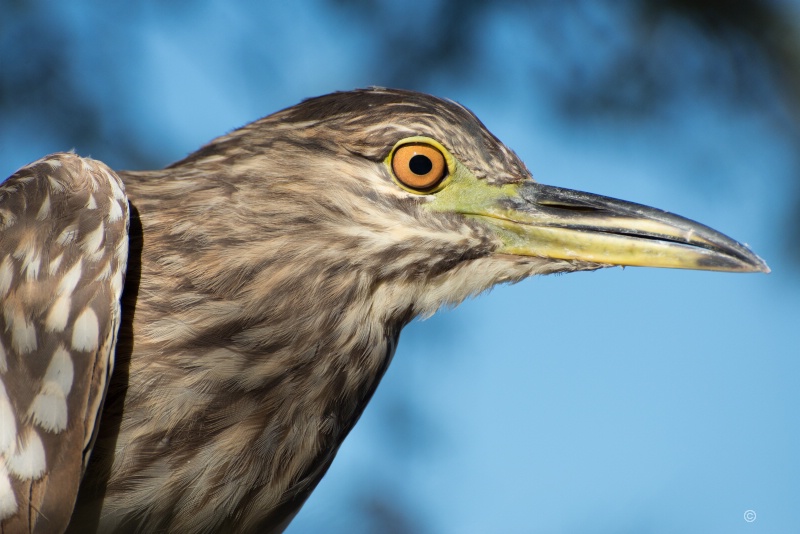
[[63, 222]]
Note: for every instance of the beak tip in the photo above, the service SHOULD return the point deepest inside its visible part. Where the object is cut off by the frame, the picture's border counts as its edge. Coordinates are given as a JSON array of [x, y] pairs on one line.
[[749, 264], [755, 263]]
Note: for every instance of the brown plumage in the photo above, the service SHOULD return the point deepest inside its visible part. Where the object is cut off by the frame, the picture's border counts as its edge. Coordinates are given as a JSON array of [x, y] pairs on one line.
[[268, 277]]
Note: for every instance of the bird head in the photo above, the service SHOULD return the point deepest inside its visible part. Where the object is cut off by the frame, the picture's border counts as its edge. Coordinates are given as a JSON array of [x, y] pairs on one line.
[[417, 191]]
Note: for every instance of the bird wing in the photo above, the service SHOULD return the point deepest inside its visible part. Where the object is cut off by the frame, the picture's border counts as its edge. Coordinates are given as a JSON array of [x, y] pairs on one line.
[[63, 254]]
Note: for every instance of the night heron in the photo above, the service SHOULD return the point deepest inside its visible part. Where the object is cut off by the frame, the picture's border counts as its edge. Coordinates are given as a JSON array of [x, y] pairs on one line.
[[252, 296]]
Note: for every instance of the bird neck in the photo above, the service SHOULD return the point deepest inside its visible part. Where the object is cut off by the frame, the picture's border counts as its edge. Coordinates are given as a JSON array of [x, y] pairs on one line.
[[264, 318], [247, 366]]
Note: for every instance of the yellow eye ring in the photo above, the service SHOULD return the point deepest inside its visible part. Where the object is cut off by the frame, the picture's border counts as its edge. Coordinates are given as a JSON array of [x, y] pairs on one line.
[[419, 164]]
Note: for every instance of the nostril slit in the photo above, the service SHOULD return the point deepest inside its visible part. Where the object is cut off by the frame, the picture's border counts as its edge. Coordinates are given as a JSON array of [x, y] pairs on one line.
[[570, 207]]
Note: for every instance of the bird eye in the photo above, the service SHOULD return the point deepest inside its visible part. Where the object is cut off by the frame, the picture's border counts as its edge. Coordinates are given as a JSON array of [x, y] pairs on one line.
[[419, 166]]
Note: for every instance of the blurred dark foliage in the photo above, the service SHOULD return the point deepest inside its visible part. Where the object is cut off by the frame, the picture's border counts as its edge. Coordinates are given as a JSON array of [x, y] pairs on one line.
[[386, 515], [43, 84], [739, 54], [745, 51]]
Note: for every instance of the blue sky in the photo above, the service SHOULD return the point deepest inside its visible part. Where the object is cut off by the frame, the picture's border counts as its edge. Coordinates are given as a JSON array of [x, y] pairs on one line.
[[630, 400]]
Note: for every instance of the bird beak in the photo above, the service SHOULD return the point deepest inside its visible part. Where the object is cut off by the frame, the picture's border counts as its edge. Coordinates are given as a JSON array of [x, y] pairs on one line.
[[533, 219]]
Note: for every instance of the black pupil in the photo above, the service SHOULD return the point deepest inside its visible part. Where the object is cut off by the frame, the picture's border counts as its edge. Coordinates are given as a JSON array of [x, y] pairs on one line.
[[420, 165]]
